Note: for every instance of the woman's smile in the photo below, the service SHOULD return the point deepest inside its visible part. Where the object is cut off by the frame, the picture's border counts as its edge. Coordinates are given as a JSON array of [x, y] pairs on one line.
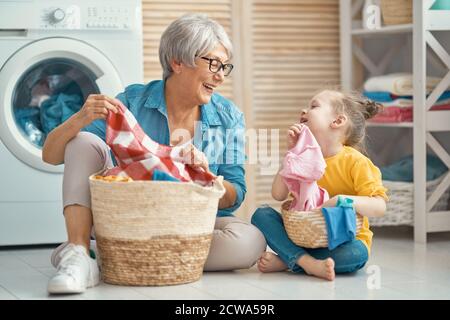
[[209, 88]]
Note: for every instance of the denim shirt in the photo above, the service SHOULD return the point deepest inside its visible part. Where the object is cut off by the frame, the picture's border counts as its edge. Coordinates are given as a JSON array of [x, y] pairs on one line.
[[219, 133]]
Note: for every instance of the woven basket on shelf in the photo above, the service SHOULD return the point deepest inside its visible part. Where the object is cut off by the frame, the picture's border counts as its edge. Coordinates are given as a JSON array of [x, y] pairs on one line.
[[396, 11], [400, 207], [308, 228], [153, 232]]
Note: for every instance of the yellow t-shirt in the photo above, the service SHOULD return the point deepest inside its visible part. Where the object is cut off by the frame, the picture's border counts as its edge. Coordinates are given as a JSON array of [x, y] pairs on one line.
[[351, 173]]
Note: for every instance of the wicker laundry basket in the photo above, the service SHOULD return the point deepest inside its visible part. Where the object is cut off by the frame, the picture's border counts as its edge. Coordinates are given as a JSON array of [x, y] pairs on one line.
[[153, 232], [308, 228], [397, 11], [400, 207]]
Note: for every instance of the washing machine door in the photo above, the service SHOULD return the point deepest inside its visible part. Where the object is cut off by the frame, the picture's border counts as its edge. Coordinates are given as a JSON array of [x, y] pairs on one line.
[[42, 85]]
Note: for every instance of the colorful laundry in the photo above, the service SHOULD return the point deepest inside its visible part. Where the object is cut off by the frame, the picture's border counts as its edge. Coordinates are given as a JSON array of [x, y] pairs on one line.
[[402, 114], [388, 97], [398, 83], [403, 169], [28, 119], [303, 165], [138, 155], [58, 108], [159, 175]]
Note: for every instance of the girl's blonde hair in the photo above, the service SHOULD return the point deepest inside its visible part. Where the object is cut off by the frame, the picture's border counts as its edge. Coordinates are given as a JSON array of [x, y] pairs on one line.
[[358, 109]]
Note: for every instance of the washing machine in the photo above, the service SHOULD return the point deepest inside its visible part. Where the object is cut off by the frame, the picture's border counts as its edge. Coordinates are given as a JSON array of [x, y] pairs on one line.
[[53, 54]]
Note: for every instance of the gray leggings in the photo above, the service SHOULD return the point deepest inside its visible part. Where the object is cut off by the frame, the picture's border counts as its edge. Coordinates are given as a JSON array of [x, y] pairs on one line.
[[236, 244]]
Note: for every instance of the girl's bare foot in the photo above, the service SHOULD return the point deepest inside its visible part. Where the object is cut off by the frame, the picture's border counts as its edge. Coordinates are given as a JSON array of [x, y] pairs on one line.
[[270, 262], [320, 268]]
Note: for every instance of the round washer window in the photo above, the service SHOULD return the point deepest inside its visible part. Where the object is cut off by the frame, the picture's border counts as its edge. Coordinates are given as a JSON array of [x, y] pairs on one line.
[[49, 93]]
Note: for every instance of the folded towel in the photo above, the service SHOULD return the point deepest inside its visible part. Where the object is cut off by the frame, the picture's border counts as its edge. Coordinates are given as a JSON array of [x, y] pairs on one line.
[[402, 113], [399, 103], [341, 222], [440, 5], [397, 83], [379, 96], [389, 99], [139, 156], [393, 115], [303, 165]]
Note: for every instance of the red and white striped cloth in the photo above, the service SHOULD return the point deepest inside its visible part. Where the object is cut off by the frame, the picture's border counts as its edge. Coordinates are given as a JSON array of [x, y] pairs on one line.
[[138, 155]]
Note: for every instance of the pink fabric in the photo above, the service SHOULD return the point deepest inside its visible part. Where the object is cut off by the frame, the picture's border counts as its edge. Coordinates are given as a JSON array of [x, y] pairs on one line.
[[303, 165], [394, 114], [402, 114], [138, 155]]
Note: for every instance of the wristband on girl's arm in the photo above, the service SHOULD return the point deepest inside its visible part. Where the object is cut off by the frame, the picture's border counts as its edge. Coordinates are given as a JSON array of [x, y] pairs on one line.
[[344, 202]]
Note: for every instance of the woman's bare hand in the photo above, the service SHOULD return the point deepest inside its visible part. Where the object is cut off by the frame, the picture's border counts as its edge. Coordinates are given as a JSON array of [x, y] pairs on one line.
[[96, 107], [194, 157]]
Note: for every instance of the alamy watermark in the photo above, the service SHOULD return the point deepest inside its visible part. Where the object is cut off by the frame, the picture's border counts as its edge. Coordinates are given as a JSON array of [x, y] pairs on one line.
[[240, 146], [371, 15], [374, 278]]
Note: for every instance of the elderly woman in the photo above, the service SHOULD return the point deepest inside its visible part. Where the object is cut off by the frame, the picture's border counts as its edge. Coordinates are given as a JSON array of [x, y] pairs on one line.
[[194, 54]]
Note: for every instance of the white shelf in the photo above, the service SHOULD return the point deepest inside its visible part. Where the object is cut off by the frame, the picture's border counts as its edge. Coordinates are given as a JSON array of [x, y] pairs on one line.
[[425, 123], [437, 20], [394, 29], [390, 124]]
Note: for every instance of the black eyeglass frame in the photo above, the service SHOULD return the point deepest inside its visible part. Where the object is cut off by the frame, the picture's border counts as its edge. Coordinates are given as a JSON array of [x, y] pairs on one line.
[[219, 66]]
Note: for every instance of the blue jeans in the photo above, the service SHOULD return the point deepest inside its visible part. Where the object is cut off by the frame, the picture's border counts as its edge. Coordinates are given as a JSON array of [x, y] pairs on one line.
[[348, 257]]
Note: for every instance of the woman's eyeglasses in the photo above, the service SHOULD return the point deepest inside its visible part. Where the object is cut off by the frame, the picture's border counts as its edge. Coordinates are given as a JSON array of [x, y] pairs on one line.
[[216, 65]]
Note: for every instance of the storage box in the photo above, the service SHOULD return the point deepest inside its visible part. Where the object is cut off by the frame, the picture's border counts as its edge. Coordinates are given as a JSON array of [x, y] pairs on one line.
[[400, 207], [397, 11]]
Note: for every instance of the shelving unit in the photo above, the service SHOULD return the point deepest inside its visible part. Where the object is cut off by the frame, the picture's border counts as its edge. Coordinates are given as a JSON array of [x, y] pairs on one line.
[[402, 28], [425, 21], [391, 125]]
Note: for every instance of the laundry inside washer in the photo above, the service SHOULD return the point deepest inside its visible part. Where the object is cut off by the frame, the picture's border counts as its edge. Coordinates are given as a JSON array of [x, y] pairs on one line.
[[49, 94]]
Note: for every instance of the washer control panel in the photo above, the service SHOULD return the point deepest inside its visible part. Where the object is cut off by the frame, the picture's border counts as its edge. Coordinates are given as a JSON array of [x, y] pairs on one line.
[[88, 17]]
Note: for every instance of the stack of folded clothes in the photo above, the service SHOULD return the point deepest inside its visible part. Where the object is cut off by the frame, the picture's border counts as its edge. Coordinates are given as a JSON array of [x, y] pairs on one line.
[[395, 93]]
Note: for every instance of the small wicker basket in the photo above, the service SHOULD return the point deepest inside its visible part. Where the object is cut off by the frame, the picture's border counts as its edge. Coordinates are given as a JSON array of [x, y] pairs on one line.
[[153, 232], [308, 229], [400, 207], [397, 11]]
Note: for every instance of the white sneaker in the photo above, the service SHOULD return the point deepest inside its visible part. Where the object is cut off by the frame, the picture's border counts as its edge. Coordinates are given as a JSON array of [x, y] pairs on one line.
[[76, 271], [56, 254]]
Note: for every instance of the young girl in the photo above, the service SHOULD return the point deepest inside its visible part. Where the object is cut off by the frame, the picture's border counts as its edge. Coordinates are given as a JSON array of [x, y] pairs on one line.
[[337, 121]]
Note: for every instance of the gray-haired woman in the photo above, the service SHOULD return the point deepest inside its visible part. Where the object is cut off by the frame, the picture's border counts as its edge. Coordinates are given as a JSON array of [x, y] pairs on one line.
[[182, 108]]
